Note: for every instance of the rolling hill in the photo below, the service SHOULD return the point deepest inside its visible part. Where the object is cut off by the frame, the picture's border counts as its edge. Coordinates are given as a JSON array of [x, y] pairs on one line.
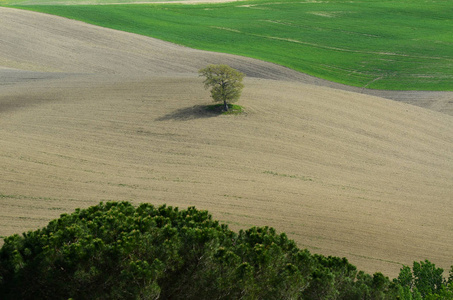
[[90, 114]]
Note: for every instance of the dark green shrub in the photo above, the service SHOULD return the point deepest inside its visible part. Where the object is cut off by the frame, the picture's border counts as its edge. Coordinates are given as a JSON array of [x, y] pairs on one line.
[[117, 251]]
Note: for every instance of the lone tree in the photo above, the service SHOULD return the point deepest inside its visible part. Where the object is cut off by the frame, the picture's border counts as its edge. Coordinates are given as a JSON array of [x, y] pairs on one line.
[[225, 82]]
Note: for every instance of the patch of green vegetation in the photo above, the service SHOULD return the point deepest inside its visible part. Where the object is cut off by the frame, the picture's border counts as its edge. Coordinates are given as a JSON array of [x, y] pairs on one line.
[[233, 109], [56, 208], [26, 197], [232, 196], [394, 44], [304, 178], [8, 196]]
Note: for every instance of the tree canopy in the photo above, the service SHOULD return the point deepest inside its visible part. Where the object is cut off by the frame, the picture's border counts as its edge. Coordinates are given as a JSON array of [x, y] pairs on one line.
[[225, 83], [117, 251]]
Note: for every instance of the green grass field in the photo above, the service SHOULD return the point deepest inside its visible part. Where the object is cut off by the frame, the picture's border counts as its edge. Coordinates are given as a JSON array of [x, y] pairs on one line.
[[395, 44]]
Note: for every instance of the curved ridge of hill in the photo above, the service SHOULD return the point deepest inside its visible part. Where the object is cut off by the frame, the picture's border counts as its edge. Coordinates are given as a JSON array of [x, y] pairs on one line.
[[57, 46], [45, 43], [90, 114]]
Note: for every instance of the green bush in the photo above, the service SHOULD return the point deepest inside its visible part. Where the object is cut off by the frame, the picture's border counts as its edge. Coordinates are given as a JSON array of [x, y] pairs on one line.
[[118, 251], [424, 281]]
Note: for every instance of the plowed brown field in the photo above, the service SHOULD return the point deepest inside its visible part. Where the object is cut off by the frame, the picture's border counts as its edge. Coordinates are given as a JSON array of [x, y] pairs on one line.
[[89, 114]]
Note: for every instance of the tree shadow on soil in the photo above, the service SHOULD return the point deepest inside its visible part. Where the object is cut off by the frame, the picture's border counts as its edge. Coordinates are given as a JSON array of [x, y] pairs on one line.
[[189, 113]]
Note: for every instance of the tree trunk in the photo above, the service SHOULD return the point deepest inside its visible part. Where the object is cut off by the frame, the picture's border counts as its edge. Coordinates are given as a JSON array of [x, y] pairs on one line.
[[225, 105]]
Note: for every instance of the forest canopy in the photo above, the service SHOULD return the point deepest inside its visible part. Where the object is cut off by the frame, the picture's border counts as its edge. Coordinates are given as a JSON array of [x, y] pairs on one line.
[[117, 251]]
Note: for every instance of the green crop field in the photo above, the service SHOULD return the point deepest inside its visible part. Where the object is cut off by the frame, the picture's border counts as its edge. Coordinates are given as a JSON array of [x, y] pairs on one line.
[[396, 44]]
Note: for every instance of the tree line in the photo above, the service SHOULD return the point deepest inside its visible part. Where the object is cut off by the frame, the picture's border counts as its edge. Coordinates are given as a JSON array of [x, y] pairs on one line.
[[117, 251]]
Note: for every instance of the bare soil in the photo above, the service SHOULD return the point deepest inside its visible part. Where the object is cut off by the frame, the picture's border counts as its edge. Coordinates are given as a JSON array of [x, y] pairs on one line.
[[89, 114]]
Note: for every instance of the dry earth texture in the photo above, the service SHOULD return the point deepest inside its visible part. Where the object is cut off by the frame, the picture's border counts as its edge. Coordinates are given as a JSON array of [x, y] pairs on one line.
[[89, 114]]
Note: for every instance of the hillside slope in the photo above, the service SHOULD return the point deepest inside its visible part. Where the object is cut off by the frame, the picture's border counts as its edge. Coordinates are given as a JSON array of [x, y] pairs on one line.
[[90, 114]]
